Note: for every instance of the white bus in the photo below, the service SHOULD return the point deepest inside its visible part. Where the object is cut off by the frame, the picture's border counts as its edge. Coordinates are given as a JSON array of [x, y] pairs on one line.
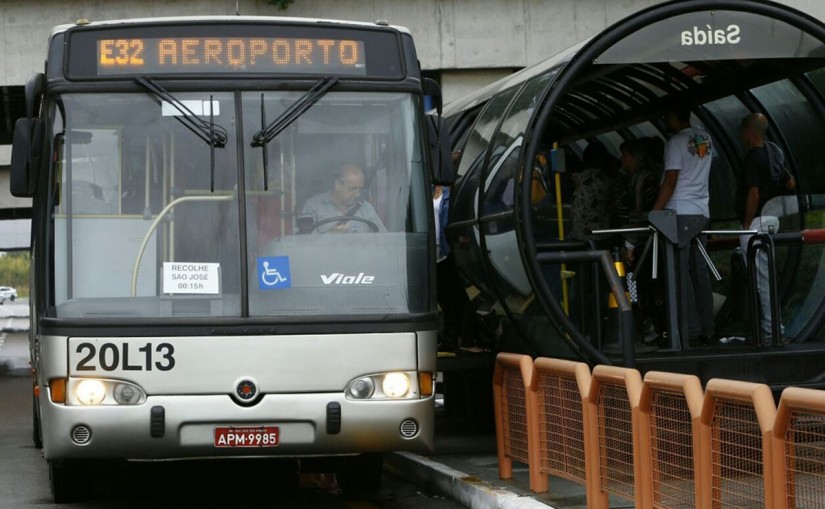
[[231, 247]]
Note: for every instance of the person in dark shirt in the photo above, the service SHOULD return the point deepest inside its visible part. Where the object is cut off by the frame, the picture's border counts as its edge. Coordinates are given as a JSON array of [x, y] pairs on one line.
[[756, 188], [594, 188], [639, 186]]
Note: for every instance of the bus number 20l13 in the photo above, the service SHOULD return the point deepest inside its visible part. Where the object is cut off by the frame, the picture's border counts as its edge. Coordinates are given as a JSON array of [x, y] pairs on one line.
[[111, 357]]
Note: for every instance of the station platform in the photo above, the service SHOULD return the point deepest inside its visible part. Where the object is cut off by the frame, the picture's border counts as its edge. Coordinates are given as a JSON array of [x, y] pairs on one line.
[[464, 468], [463, 465]]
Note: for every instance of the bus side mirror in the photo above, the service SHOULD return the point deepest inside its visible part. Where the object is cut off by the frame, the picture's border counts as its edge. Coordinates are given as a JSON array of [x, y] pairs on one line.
[[433, 91], [438, 141], [27, 146]]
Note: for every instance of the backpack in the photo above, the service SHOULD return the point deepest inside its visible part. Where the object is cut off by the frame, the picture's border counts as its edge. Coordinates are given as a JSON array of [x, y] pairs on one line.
[[780, 175]]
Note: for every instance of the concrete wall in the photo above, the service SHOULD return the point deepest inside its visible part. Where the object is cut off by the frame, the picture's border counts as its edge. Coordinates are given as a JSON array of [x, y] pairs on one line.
[[450, 34]]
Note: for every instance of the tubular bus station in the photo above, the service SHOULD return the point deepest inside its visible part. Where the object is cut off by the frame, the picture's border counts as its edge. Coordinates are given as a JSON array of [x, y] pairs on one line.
[[565, 302]]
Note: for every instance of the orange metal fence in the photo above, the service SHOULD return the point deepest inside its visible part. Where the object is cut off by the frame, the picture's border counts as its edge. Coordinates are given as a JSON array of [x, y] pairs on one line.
[[516, 417], [670, 410], [737, 419], [798, 442], [561, 388], [614, 426], [661, 442]]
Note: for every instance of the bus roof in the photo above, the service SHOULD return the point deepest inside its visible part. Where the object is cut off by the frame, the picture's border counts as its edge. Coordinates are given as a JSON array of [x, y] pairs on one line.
[[228, 19]]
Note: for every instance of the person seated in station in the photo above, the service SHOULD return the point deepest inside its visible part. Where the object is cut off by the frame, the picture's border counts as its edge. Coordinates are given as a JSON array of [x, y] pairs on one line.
[[341, 209]]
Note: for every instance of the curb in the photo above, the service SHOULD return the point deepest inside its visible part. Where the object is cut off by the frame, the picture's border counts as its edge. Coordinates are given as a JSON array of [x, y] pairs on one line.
[[467, 490]]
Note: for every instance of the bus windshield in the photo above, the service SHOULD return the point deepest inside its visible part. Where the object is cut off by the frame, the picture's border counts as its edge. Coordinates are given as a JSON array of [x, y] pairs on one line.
[[148, 221]]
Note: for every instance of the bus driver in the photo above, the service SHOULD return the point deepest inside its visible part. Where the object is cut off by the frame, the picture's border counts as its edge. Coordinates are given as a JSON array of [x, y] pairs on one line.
[[343, 203]]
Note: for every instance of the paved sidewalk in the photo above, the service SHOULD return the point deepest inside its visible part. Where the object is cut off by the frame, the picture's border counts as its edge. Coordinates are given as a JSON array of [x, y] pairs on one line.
[[465, 468]]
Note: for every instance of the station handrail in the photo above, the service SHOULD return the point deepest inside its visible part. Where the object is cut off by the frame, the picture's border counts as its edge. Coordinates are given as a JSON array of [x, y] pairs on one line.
[[616, 288]]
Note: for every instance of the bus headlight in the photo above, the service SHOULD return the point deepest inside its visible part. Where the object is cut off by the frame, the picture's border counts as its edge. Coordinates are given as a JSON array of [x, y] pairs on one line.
[[127, 394], [362, 388], [384, 386], [90, 392], [396, 385], [96, 391]]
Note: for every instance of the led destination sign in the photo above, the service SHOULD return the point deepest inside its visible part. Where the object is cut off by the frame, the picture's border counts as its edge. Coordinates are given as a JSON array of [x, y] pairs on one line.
[[231, 49], [230, 54]]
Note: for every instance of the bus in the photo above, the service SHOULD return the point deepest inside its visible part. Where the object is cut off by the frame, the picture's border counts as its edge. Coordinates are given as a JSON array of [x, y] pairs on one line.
[[231, 244], [538, 287]]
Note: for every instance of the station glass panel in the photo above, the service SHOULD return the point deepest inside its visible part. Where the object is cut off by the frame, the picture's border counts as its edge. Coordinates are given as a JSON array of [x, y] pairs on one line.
[[500, 190], [728, 113], [464, 238], [803, 129], [645, 129], [801, 126]]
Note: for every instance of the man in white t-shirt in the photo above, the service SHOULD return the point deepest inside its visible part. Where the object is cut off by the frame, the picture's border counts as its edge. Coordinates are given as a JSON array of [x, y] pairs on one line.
[[684, 189]]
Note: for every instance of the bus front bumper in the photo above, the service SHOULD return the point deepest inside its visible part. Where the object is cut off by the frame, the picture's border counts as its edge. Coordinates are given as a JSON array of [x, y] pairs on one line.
[[189, 424]]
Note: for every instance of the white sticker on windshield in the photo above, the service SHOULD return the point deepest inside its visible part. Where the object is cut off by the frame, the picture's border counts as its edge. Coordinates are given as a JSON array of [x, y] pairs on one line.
[[186, 277], [197, 107]]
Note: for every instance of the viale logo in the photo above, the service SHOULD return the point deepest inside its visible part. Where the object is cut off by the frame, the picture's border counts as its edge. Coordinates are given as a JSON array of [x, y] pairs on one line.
[[337, 278]]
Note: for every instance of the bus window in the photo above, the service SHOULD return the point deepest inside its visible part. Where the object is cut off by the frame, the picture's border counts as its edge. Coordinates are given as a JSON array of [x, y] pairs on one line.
[[133, 193], [346, 140], [95, 171]]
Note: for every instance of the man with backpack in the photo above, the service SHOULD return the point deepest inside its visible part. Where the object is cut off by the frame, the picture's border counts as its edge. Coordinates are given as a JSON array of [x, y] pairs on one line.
[[764, 176]]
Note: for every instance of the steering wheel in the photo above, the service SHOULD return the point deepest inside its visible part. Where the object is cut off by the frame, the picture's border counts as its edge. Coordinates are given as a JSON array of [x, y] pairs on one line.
[[336, 219]]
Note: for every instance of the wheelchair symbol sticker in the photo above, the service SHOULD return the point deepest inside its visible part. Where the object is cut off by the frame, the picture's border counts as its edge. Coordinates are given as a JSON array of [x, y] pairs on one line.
[[273, 273]]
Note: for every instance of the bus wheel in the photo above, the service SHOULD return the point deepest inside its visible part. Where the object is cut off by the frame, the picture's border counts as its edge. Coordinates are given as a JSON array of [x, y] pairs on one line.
[[37, 435], [361, 475], [69, 481]]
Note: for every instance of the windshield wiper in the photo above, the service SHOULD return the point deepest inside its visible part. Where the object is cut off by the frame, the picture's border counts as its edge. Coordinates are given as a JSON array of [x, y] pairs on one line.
[[213, 134], [287, 117]]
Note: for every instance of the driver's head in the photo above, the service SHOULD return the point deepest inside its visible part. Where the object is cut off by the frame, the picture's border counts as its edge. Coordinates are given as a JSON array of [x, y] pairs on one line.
[[348, 185]]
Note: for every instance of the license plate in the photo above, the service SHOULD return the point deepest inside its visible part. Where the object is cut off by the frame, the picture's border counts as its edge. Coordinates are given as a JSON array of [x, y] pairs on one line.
[[251, 436]]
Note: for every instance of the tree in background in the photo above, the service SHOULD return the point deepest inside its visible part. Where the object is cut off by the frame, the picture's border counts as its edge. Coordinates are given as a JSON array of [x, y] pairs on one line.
[[14, 271]]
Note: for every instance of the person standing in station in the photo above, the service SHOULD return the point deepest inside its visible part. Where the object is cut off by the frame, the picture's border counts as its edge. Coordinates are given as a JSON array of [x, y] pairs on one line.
[[756, 187], [684, 189], [452, 297]]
